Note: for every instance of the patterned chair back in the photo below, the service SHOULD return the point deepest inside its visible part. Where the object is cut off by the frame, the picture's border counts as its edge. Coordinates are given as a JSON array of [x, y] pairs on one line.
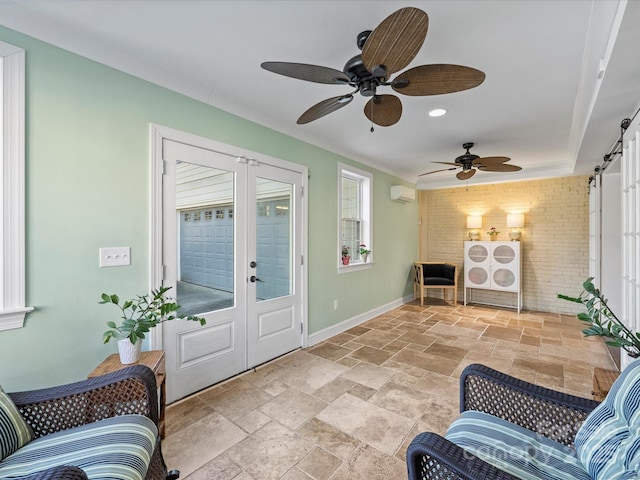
[[608, 443]]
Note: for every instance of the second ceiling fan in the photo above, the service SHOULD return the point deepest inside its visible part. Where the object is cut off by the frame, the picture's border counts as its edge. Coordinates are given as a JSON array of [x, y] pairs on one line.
[[386, 50], [470, 162]]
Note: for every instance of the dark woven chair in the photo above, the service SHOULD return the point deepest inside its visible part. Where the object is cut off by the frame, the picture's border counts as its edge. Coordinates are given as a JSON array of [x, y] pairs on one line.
[[131, 390], [435, 275], [546, 412]]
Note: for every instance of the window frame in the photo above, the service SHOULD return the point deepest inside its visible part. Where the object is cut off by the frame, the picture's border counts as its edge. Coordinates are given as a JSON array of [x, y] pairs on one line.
[[365, 180], [12, 188]]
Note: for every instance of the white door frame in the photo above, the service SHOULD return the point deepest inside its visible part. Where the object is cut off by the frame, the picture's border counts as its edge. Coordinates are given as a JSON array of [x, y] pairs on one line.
[[158, 133]]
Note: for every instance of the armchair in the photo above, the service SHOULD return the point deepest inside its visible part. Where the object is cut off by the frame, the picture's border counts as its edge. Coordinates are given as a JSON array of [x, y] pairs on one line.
[[435, 275], [511, 429], [69, 424]]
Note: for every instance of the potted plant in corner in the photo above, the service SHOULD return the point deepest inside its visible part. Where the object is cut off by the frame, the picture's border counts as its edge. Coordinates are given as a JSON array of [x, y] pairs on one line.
[[603, 322], [139, 315], [345, 255]]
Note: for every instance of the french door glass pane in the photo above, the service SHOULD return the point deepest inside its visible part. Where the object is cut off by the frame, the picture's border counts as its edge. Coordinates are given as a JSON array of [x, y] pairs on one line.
[[205, 209], [274, 237]]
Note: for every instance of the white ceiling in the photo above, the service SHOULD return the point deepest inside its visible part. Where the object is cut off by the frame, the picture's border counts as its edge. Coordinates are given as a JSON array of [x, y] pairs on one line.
[[542, 103]]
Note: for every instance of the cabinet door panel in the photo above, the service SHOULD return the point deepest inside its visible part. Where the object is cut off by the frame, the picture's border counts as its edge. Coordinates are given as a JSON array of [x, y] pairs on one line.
[[477, 262], [505, 261]]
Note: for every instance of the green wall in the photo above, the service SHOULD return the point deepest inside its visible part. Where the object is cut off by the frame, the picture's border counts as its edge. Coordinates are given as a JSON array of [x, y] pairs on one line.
[[87, 176]]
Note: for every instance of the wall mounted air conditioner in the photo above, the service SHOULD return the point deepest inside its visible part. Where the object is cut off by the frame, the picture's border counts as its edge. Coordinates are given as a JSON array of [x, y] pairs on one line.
[[402, 194]]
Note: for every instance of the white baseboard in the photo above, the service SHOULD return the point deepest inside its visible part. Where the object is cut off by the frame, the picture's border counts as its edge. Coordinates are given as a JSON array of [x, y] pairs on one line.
[[345, 325]]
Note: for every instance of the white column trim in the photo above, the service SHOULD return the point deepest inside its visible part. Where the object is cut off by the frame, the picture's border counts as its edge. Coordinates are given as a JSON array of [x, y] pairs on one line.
[[12, 201]]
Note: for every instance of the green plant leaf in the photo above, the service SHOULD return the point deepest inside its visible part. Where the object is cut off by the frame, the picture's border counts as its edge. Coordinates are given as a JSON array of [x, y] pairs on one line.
[[141, 314], [570, 299]]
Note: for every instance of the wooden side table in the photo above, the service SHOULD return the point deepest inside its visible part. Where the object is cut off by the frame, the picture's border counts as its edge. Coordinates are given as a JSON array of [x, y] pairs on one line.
[[154, 359], [603, 378]]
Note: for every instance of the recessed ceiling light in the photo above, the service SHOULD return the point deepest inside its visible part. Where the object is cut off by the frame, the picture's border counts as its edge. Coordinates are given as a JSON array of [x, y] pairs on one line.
[[437, 112]]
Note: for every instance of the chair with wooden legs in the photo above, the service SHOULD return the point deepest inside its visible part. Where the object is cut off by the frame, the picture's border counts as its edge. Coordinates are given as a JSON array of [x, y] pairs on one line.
[[435, 275]]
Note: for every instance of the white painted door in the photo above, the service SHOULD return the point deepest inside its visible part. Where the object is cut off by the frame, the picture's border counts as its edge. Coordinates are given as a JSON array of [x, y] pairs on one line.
[[274, 299], [226, 216]]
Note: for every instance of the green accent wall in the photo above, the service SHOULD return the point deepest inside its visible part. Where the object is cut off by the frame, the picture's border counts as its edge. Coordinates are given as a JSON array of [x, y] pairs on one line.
[[87, 186]]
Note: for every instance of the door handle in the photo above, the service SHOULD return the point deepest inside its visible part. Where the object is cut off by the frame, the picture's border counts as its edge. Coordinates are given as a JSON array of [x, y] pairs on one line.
[[254, 279]]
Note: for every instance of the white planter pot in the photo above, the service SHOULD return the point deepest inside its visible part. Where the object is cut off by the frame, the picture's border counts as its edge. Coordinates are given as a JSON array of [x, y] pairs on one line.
[[129, 352]]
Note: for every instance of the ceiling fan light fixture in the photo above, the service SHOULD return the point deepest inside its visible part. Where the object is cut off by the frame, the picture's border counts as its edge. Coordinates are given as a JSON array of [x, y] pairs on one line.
[[437, 112], [386, 50], [469, 163]]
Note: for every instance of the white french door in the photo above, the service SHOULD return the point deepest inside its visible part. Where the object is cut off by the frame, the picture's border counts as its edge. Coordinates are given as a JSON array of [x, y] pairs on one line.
[[274, 306], [232, 243]]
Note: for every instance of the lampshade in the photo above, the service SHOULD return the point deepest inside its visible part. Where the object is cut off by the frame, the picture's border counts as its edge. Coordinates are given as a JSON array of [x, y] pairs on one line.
[[515, 220], [474, 221]]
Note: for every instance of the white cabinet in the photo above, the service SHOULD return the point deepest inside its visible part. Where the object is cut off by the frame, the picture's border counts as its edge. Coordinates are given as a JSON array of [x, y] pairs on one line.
[[493, 266]]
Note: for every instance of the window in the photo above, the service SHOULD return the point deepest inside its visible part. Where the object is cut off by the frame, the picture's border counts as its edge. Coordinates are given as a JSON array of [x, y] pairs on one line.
[[12, 244], [355, 213], [263, 210]]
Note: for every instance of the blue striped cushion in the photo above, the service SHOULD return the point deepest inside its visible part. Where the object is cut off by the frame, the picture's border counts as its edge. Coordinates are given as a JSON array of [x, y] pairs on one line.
[[115, 448], [14, 431], [608, 443], [515, 449]]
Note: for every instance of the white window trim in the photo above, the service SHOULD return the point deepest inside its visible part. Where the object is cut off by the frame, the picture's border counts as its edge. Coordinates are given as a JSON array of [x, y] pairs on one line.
[[367, 217], [630, 232], [12, 189]]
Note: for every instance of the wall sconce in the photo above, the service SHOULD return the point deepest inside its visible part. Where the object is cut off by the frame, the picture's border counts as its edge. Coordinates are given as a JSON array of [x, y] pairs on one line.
[[474, 222], [515, 221]]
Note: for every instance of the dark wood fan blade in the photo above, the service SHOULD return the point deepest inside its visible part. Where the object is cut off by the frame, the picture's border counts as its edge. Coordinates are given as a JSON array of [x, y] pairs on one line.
[[449, 163], [383, 110], [310, 73], [502, 167], [436, 171], [495, 164], [396, 41], [437, 79], [465, 174], [324, 108], [490, 161]]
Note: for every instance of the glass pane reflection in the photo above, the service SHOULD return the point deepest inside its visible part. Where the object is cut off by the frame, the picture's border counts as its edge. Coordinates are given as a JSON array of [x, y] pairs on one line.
[[204, 204], [273, 238]]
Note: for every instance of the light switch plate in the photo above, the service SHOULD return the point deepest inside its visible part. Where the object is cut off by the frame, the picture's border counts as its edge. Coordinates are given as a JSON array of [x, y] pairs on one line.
[[115, 256]]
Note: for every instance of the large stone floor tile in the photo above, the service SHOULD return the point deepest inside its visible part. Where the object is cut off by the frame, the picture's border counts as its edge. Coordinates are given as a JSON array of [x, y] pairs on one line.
[[373, 425]]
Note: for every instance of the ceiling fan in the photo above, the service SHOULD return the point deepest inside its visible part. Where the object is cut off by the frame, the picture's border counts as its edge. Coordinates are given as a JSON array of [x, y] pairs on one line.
[[470, 163], [386, 50]]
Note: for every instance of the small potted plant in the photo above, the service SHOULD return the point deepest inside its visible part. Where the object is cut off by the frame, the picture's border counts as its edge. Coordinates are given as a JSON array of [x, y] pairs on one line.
[[139, 315], [364, 252], [345, 255], [602, 321], [493, 234]]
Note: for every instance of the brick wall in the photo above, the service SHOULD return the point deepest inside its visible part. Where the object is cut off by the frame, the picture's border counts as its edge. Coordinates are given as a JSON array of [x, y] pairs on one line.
[[555, 238]]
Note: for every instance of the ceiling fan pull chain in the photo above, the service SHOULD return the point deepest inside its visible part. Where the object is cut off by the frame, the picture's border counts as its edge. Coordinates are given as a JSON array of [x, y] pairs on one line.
[[372, 129]]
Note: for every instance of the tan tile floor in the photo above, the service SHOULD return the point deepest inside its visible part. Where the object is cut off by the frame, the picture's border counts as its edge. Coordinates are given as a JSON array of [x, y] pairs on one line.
[[348, 408]]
